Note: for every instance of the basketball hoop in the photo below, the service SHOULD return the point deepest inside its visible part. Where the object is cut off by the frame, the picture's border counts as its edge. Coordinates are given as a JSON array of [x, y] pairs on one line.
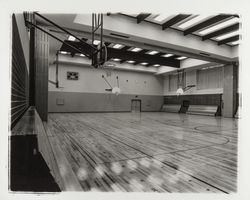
[[108, 67], [179, 91], [116, 91]]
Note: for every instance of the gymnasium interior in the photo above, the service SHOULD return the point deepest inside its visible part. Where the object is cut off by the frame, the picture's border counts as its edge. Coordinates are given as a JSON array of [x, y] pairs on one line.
[[124, 102]]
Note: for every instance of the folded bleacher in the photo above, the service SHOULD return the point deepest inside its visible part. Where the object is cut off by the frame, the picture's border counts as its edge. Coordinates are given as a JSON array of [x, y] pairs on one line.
[[203, 110]]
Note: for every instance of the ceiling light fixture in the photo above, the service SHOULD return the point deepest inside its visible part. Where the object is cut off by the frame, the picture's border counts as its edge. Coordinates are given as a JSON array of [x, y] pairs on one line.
[[144, 63], [82, 55], [63, 52], [136, 49], [167, 55], [181, 58], [130, 61], [118, 46], [71, 38], [152, 52], [156, 65], [116, 59], [96, 42]]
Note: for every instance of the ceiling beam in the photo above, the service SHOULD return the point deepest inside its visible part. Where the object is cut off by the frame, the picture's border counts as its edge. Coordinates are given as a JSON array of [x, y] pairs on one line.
[[227, 40], [206, 23], [139, 58], [143, 51], [125, 48], [125, 55], [107, 43], [210, 57], [136, 63], [141, 17], [174, 20], [228, 29]]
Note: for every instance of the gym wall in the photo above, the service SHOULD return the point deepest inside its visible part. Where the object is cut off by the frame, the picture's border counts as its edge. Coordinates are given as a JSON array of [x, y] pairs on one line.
[[207, 81], [87, 94], [20, 72]]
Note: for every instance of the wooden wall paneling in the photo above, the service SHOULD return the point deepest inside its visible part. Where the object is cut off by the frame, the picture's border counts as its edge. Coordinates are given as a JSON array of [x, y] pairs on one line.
[[19, 77], [173, 82], [209, 78], [41, 73]]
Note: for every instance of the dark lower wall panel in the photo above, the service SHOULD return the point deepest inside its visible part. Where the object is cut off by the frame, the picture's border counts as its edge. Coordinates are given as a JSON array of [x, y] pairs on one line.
[[202, 99], [98, 102], [19, 77], [41, 73]]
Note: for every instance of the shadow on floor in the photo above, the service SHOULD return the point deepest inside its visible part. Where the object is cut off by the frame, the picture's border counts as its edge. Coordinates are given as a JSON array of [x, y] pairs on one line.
[[28, 170]]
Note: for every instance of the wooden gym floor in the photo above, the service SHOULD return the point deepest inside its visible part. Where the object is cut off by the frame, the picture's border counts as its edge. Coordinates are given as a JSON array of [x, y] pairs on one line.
[[150, 151]]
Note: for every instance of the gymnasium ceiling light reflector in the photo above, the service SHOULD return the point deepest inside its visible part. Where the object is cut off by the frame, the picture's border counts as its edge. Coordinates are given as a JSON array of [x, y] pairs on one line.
[[192, 21], [135, 49], [144, 63], [63, 52], [116, 59], [167, 55], [96, 42], [152, 52], [118, 46], [82, 55], [130, 61], [71, 38], [156, 65], [219, 26], [181, 58]]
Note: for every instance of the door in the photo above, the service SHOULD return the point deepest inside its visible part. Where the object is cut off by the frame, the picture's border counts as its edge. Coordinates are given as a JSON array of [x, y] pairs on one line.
[[136, 105]]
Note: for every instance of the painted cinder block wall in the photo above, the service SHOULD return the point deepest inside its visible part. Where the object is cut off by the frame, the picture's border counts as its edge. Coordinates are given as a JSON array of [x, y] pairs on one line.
[[87, 94]]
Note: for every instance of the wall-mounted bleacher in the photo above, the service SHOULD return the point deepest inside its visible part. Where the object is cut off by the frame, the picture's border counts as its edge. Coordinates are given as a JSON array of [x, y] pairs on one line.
[[203, 110], [204, 104]]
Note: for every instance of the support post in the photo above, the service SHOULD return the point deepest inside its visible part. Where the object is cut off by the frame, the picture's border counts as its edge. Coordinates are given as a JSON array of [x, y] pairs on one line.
[[229, 90]]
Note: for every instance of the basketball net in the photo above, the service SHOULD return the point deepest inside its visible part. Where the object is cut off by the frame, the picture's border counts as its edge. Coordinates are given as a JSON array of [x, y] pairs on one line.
[[115, 90], [179, 91], [108, 68], [180, 83]]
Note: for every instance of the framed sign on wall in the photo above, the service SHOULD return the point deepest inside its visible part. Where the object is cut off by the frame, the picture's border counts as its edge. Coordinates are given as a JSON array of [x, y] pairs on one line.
[[72, 75]]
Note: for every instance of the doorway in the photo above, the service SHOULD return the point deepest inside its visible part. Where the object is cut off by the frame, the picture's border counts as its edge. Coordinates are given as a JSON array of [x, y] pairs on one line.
[[135, 105]]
